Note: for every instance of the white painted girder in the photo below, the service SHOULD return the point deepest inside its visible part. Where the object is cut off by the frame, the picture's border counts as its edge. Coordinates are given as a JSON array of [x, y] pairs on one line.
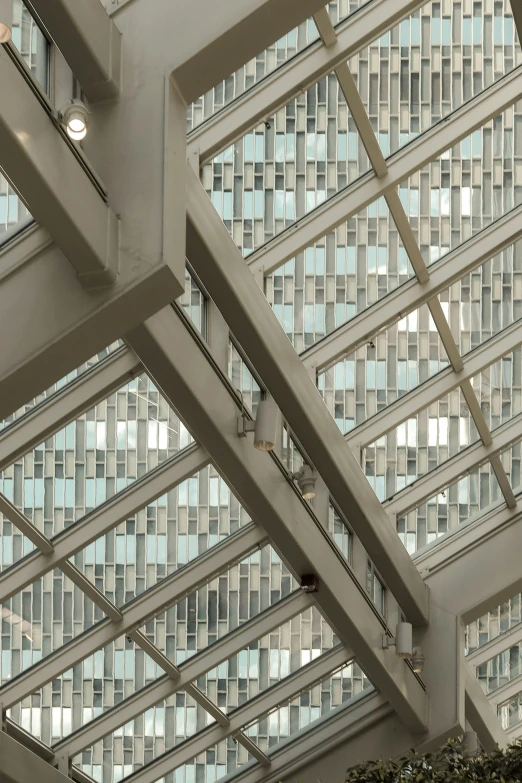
[[60, 195], [455, 566], [482, 715], [94, 525], [209, 407], [88, 39], [83, 322], [368, 188], [220, 266], [411, 295], [194, 667], [159, 598], [305, 69], [224, 37]]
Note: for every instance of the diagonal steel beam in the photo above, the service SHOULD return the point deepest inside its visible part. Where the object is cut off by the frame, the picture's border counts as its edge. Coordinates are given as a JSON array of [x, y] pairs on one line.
[[97, 523], [88, 39], [210, 408], [189, 671], [368, 188], [227, 279], [277, 89], [223, 38], [159, 598], [411, 295], [301, 680], [66, 405], [58, 192], [436, 387], [449, 471]]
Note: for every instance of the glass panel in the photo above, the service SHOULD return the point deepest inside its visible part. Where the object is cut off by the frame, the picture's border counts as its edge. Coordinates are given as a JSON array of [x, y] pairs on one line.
[[491, 625], [467, 188], [31, 43], [340, 276], [242, 379], [182, 524], [487, 300], [340, 533], [65, 381], [227, 602], [286, 167], [510, 712], [194, 303], [450, 508], [268, 661], [339, 10], [498, 389], [500, 670], [93, 458], [41, 619], [83, 692], [430, 64], [311, 705], [511, 461], [419, 445], [396, 361], [250, 74]]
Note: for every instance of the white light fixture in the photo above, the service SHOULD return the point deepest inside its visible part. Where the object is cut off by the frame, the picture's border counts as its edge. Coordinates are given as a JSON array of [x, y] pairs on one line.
[[6, 20], [264, 427], [306, 481], [417, 660], [75, 117], [403, 640]]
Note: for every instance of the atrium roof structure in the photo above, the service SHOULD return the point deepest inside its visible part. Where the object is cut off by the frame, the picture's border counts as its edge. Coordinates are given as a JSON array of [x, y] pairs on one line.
[[118, 241]]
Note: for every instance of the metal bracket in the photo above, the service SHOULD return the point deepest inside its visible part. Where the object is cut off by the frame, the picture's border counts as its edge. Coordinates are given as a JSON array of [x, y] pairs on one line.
[[245, 425]]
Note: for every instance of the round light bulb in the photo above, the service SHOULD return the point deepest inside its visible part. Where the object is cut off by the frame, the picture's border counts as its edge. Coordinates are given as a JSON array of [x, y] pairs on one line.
[[77, 135], [75, 117], [77, 124], [5, 33]]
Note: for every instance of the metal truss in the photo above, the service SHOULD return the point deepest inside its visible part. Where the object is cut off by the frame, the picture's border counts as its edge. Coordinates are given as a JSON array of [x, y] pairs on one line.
[[95, 231]]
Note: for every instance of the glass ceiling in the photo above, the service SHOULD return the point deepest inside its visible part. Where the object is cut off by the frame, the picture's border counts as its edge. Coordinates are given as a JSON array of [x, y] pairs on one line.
[[244, 648]]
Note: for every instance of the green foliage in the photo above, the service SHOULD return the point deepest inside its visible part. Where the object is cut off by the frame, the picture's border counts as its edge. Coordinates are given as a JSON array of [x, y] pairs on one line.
[[450, 764]]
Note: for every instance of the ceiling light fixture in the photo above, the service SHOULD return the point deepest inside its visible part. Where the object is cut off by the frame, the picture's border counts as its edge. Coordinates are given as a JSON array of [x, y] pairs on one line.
[[264, 427], [75, 117], [417, 660], [306, 481], [6, 20], [402, 641]]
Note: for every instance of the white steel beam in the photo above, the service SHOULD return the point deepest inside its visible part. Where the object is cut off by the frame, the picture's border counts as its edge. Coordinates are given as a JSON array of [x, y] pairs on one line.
[[88, 39], [307, 68], [208, 406], [454, 567], [435, 387], [449, 471], [18, 764], [102, 519], [495, 646], [56, 189], [352, 199], [159, 598], [195, 667], [505, 693], [66, 405], [411, 295], [82, 323], [225, 37], [482, 715], [220, 266], [301, 680]]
